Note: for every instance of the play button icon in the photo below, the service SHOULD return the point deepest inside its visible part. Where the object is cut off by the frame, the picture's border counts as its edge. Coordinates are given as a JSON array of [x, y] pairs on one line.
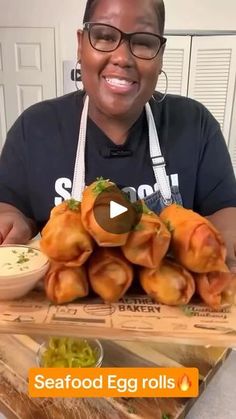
[[116, 209], [114, 212]]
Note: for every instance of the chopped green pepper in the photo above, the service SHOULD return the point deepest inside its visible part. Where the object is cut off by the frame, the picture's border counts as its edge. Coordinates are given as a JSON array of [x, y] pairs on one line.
[[68, 352]]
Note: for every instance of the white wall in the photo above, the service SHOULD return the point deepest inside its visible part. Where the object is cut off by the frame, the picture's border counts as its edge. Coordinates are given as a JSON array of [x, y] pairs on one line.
[[201, 14], [66, 16]]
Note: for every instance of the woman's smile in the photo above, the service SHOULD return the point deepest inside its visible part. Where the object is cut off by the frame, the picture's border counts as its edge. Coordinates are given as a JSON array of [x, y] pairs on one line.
[[120, 85]]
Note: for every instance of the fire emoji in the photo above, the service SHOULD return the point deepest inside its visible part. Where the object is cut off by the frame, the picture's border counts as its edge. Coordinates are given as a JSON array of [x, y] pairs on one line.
[[184, 383]]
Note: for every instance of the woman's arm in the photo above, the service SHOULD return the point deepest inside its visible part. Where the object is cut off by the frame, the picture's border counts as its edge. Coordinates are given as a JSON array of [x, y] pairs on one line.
[[225, 222]]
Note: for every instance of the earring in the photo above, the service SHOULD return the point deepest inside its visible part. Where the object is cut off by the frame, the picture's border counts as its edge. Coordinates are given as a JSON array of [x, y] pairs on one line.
[[76, 76], [166, 89]]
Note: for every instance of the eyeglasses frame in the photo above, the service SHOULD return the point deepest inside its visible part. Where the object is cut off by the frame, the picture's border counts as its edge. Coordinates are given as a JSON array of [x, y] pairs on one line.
[[124, 36]]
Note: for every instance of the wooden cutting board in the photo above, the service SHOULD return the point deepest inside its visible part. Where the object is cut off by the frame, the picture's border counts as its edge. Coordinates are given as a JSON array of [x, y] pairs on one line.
[[16, 358]]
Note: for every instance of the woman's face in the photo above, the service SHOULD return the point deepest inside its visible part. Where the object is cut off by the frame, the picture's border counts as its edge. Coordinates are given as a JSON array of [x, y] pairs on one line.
[[118, 83]]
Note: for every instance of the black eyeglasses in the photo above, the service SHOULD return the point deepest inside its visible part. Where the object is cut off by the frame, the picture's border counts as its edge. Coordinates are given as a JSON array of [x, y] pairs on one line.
[[107, 38]]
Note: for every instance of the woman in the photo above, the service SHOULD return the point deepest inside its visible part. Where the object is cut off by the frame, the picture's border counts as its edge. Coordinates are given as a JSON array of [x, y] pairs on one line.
[[120, 50]]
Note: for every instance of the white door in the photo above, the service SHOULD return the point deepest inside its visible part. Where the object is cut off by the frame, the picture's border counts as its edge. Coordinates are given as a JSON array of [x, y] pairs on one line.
[[212, 76], [176, 65], [27, 71]]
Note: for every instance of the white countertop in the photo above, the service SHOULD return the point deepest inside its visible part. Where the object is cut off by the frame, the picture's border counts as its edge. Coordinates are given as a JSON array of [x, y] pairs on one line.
[[218, 401]]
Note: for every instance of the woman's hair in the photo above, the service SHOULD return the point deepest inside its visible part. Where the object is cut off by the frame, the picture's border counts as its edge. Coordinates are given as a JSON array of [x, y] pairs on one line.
[[158, 5]]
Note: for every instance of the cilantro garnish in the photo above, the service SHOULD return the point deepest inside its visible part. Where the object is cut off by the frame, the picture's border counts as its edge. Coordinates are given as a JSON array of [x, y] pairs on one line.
[[100, 186], [165, 416], [73, 205]]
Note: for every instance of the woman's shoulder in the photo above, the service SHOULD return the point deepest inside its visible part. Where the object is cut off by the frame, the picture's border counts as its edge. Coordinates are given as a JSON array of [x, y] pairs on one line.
[[188, 102], [182, 108], [62, 104], [175, 101]]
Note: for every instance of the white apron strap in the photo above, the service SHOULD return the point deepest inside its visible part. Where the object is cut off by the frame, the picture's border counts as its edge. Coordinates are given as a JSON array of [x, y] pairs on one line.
[[79, 169], [158, 162]]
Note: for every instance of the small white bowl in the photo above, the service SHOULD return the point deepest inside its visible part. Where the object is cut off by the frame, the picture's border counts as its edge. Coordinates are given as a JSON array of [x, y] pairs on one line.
[[21, 267]]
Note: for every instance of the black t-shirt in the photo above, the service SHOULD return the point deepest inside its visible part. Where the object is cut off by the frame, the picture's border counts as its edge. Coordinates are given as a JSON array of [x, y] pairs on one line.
[[37, 161]]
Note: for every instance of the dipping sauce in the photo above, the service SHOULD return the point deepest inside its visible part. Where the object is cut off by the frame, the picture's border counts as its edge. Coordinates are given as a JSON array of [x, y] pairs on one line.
[[16, 260]]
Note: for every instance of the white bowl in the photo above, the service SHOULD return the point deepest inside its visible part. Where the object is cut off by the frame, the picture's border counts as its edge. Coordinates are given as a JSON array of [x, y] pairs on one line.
[[21, 267]]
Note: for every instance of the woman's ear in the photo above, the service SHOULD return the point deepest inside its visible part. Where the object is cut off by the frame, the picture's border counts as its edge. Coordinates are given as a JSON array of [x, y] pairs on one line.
[[79, 43]]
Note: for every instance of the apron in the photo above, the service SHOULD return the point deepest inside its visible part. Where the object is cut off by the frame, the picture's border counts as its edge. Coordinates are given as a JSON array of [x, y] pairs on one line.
[[164, 196]]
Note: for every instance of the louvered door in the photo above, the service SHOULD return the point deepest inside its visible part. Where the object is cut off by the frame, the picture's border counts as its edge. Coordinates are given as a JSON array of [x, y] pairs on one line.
[[3, 120], [212, 76], [176, 65], [232, 137]]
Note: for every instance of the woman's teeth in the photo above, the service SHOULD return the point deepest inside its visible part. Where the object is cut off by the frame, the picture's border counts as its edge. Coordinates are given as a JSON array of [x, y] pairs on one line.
[[118, 82]]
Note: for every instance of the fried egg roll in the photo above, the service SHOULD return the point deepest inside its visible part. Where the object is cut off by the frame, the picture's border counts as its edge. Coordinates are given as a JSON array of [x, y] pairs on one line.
[[64, 284], [64, 238], [217, 289], [110, 274], [148, 243], [195, 242], [170, 284], [95, 210]]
